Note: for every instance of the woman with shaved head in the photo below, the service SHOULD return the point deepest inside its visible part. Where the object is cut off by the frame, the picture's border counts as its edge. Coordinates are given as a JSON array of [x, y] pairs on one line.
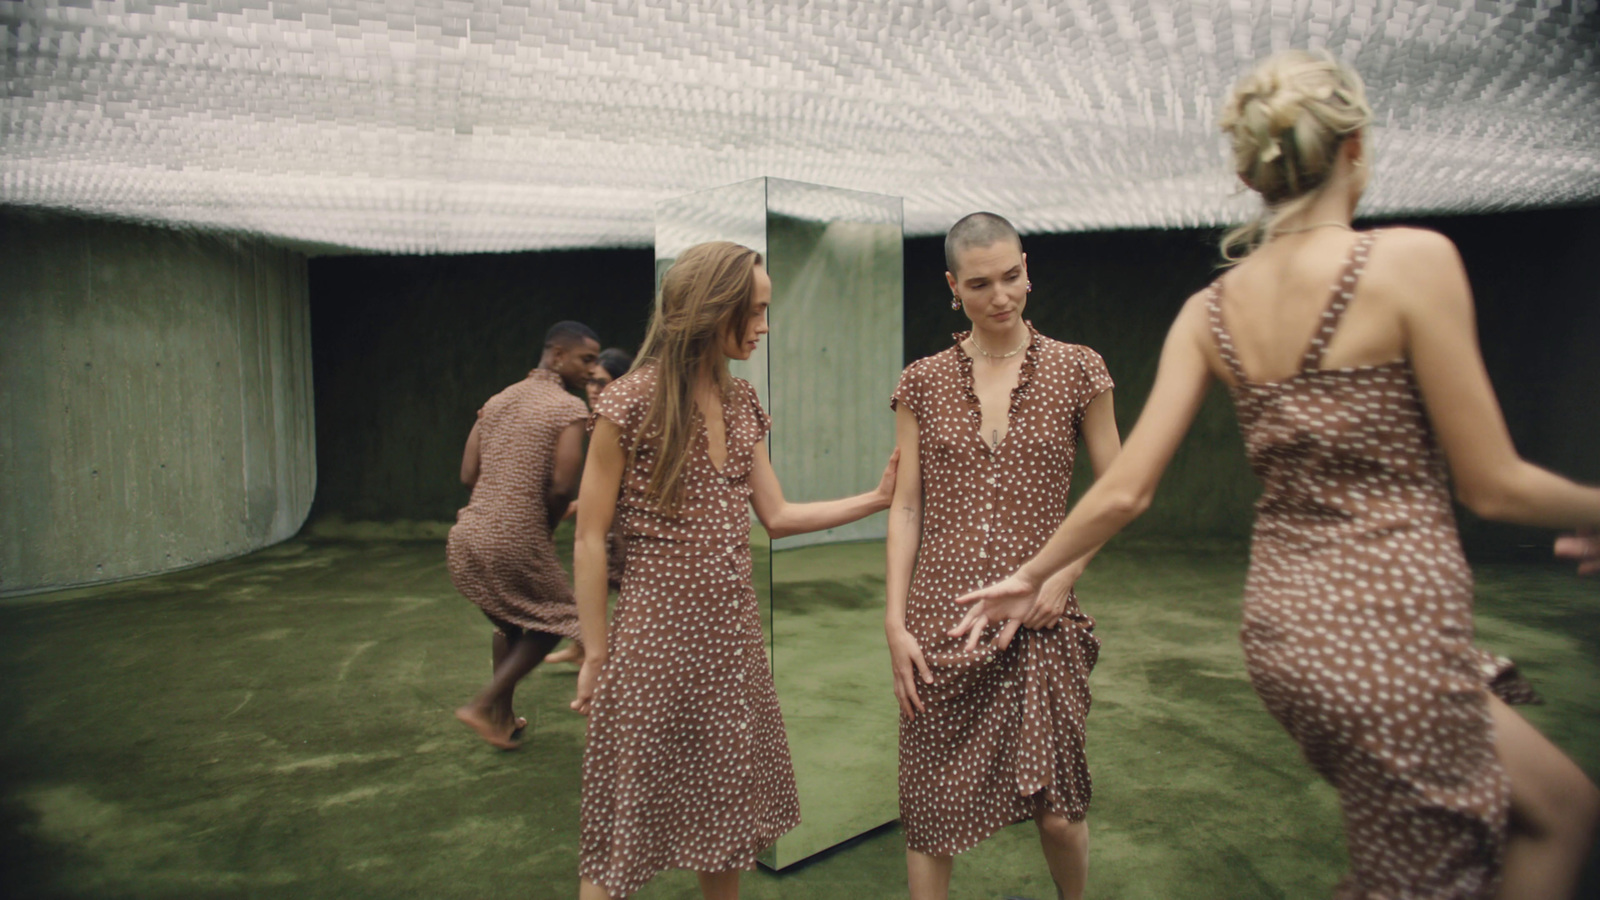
[[1355, 372], [987, 431]]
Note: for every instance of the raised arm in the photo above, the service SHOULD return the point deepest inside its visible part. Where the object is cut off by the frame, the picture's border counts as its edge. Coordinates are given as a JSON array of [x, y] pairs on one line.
[[565, 471], [905, 536], [1442, 343], [597, 506], [1125, 489], [1101, 439], [782, 518], [470, 456]]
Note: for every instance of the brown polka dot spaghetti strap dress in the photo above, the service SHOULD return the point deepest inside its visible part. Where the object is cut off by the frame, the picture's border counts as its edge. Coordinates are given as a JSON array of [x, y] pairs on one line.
[[1357, 625], [687, 765], [500, 553], [1002, 737]]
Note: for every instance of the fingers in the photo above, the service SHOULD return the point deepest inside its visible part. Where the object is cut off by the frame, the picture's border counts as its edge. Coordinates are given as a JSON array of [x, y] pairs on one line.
[[922, 666], [966, 622], [905, 691], [1007, 633], [976, 632]]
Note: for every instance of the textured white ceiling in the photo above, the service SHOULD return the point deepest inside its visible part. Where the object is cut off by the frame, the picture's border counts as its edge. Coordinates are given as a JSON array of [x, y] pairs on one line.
[[424, 126]]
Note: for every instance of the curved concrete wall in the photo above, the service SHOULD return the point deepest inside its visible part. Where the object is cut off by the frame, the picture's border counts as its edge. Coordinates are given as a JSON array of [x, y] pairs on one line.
[[155, 399]]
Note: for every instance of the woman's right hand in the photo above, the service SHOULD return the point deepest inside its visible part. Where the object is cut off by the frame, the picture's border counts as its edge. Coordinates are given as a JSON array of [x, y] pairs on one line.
[[588, 677], [905, 656], [1583, 546]]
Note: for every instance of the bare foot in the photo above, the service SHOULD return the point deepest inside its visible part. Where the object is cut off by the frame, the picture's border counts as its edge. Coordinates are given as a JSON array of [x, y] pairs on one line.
[[571, 653], [494, 733]]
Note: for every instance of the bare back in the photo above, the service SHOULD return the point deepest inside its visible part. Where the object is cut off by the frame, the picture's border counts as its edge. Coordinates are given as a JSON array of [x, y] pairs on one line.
[[1273, 304]]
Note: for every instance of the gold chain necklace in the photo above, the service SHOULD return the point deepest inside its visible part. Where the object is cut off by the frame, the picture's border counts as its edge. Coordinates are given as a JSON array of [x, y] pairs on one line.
[[1309, 227], [986, 353]]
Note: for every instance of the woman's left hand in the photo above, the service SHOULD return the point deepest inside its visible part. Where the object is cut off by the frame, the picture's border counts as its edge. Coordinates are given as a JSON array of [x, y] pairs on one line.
[[1051, 603], [1006, 601]]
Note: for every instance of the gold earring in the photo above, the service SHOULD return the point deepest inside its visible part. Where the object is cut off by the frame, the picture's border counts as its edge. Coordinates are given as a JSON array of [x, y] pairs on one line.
[[955, 302], [1359, 162], [1030, 287]]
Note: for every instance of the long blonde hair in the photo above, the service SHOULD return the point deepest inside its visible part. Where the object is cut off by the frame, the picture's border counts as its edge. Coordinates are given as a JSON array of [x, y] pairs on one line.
[[1286, 121], [705, 295]]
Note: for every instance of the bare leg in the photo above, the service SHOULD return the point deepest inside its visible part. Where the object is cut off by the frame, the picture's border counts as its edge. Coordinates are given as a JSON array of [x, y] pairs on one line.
[[1553, 811], [927, 876], [1066, 851], [488, 713], [588, 890], [499, 646], [719, 885]]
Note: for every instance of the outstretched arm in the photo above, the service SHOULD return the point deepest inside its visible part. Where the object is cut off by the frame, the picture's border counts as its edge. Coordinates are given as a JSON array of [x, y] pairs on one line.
[[782, 518], [905, 536], [1125, 489], [1442, 343], [597, 505], [1101, 439]]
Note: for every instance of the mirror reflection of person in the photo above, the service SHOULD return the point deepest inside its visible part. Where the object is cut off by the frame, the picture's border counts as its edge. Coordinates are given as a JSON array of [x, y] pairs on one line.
[[687, 765], [1353, 399], [987, 432], [614, 363], [522, 460]]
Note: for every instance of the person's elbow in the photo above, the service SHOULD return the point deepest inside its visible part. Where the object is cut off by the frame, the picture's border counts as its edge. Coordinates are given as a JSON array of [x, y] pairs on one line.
[[1126, 503], [587, 542], [1486, 498], [776, 522]]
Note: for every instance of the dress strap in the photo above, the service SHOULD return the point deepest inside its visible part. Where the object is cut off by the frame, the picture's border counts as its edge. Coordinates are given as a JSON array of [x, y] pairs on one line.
[[1343, 290], [1219, 332]]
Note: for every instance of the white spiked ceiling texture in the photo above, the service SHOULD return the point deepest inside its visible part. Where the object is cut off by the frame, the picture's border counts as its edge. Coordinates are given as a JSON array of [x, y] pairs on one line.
[[429, 126]]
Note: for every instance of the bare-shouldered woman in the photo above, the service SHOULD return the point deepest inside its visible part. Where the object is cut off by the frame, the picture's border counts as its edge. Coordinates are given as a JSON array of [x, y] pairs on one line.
[[1354, 368]]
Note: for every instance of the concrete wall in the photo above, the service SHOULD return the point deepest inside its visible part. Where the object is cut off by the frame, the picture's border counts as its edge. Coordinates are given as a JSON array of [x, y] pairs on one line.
[[155, 399], [407, 348]]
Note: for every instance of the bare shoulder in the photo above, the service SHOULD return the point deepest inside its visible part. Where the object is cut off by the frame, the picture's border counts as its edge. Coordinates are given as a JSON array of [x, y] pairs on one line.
[[1419, 271], [1414, 252], [1195, 315]]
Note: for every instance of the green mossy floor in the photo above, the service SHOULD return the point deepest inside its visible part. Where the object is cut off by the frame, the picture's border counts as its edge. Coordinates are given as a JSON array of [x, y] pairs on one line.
[[279, 726]]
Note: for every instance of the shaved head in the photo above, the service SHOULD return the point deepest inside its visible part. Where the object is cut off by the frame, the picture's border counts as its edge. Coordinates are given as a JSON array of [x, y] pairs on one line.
[[980, 229]]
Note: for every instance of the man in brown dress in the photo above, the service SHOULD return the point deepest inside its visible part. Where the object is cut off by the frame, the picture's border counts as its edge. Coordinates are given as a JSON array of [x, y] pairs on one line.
[[523, 460]]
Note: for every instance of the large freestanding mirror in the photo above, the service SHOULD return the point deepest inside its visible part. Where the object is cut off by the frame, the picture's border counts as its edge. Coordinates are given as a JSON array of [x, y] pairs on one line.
[[825, 373]]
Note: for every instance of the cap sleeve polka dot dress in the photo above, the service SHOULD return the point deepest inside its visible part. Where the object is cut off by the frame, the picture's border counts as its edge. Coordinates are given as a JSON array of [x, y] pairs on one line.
[[687, 765], [1002, 737], [500, 553], [1358, 617]]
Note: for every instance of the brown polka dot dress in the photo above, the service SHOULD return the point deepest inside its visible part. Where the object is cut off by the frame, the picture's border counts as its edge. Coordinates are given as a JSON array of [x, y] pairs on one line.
[[1002, 737], [1358, 617], [500, 553], [687, 765]]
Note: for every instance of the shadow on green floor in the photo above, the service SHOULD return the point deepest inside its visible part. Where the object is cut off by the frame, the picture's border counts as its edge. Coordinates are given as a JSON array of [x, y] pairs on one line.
[[279, 726]]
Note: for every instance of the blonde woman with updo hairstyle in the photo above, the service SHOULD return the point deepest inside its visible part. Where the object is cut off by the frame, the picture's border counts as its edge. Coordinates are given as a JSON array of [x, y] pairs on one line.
[[1353, 364], [687, 765]]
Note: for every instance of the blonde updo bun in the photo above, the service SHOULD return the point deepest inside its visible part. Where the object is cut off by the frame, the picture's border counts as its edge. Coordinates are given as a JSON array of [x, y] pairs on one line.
[[1286, 121]]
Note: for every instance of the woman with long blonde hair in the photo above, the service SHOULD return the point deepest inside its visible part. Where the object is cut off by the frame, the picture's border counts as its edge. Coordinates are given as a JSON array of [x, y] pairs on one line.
[[1354, 368], [687, 765]]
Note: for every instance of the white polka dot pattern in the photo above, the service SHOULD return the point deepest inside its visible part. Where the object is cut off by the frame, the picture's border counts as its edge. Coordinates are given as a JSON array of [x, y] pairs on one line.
[[500, 553], [687, 765], [1002, 737], [1357, 625]]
